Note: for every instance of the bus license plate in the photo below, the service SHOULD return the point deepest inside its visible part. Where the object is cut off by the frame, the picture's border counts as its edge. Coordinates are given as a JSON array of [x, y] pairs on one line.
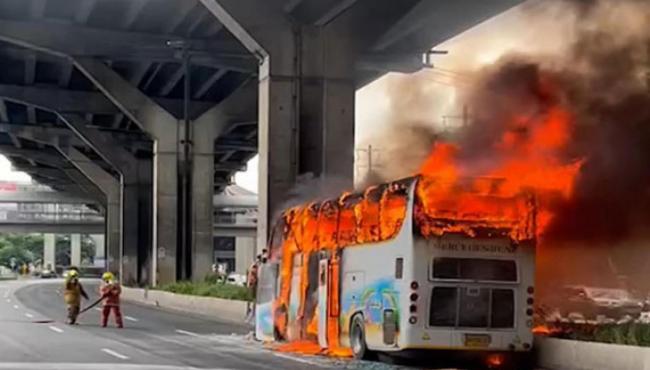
[[477, 340]]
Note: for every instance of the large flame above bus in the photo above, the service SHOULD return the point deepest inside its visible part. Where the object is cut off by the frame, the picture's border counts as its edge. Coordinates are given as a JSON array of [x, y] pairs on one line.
[[527, 156]]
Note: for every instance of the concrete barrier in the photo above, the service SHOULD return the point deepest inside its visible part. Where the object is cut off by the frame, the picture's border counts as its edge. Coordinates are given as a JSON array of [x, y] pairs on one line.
[[563, 354], [221, 309]]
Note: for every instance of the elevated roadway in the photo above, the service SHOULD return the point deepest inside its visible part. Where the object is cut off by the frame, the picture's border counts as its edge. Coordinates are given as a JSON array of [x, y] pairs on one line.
[[150, 107]]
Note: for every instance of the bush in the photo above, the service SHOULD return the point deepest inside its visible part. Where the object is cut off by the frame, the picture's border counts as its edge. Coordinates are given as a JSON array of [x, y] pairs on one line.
[[632, 334], [207, 289]]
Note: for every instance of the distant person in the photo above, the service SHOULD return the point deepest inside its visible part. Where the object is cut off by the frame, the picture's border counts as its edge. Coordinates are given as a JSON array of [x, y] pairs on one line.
[[72, 295], [251, 283], [110, 291]]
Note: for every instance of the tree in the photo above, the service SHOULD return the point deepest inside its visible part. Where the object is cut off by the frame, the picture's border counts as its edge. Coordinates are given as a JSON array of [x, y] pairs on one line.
[[19, 254], [32, 242]]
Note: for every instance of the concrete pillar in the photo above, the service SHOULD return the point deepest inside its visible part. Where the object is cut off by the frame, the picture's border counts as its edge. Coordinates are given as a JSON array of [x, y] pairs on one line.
[[165, 236], [244, 253], [202, 207], [163, 129], [100, 250], [306, 97], [75, 250], [112, 189], [206, 128], [113, 232], [132, 182], [49, 251]]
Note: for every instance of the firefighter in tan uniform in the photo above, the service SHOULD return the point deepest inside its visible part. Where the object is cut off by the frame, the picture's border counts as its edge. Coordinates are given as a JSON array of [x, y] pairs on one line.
[[72, 295]]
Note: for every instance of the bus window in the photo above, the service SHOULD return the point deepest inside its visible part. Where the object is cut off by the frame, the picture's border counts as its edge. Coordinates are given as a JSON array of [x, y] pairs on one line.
[[393, 210], [503, 308], [309, 226], [474, 307], [399, 268], [474, 269], [443, 306], [367, 215], [347, 230], [277, 239], [327, 225]]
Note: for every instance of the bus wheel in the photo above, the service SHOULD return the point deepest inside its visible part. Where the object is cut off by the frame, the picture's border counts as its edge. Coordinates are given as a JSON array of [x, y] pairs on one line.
[[358, 339]]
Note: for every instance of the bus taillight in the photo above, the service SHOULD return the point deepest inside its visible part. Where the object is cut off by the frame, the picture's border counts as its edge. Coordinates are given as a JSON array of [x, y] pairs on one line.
[[414, 297], [415, 285]]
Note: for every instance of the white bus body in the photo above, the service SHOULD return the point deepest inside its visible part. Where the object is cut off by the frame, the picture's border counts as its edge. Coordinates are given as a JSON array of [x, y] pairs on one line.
[[452, 292]]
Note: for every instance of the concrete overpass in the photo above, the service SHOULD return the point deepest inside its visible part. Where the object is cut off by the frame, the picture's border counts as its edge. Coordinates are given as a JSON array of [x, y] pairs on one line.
[[149, 107]]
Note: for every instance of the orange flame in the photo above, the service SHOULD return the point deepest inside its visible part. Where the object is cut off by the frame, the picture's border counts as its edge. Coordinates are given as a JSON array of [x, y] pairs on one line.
[[527, 157]]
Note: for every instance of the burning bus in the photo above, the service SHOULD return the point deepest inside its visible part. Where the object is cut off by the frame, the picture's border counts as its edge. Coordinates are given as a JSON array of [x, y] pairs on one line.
[[415, 264]]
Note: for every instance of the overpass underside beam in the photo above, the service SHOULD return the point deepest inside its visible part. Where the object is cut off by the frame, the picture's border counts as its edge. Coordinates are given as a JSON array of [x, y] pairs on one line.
[[305, 101], [182, 247], [135, 193], [111, 188]]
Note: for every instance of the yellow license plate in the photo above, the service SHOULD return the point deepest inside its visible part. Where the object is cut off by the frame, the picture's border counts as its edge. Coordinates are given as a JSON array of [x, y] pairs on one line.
[[477, 340]]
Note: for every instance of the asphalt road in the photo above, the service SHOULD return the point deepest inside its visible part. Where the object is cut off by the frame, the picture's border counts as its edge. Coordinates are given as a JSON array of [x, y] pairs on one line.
[[33, 335]]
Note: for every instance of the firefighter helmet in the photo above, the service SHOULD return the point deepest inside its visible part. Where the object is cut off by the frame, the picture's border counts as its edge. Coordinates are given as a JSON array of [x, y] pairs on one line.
[[108, 276]]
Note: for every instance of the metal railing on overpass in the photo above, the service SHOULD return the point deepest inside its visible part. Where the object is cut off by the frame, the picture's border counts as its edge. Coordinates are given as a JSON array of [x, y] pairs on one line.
[[51, 216]]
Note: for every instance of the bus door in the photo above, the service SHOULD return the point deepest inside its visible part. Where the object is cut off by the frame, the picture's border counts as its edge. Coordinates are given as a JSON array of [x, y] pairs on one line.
[[293, 324], [323, 284], [267, 292]]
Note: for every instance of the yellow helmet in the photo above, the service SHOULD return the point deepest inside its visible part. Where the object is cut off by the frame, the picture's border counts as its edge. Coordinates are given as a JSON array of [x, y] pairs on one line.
[[70, 274], [107, 276]]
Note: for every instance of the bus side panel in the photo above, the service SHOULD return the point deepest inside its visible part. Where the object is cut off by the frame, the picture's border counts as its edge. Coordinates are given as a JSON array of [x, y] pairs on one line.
[[368, 289], [527, 276], [379, 288], [294, 325]]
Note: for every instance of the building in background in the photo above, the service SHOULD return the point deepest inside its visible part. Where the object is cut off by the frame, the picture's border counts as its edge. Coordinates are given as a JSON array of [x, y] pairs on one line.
[[235, 221]]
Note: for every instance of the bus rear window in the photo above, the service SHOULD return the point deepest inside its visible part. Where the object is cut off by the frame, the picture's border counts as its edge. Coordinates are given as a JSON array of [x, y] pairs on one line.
[[475, 269], [472, 307], [443, 306]]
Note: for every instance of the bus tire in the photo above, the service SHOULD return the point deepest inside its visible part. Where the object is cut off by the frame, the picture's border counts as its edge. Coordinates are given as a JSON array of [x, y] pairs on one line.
[[358, 339]]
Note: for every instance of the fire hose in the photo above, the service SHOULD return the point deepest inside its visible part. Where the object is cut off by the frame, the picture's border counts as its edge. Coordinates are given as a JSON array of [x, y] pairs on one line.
[[93, 304]]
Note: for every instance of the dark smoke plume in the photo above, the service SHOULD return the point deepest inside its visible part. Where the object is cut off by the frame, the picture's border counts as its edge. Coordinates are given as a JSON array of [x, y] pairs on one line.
[[600, 81], [601, 75]]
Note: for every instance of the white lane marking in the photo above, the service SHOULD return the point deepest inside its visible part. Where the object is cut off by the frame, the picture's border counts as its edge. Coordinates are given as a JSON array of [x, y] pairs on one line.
[[131, 318], [115, 354], [179, 331], [29, 315], [15, 307], [54, 328], [97, 309], [297, 359]]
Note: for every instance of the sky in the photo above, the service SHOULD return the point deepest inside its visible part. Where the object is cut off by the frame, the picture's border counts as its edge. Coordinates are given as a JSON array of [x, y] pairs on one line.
[[8, 174]]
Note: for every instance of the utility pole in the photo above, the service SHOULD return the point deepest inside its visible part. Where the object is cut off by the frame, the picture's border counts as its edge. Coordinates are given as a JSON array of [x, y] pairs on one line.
[[369, 151], [464, 117], [184, 134]]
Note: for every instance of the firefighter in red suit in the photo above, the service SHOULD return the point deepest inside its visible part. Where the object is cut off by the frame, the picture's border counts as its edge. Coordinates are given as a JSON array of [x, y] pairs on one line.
[[110, 291]]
